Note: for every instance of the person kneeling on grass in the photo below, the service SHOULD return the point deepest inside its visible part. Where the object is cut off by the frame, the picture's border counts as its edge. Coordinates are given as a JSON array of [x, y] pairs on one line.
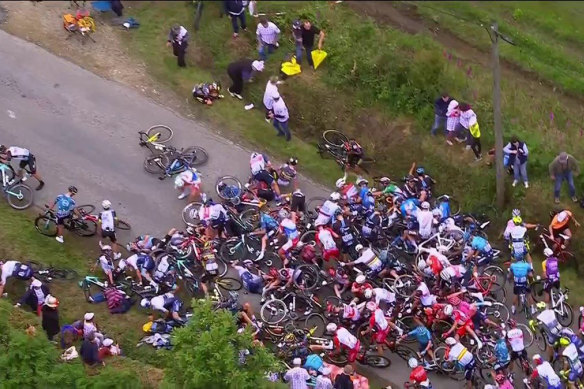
[[206, 93]]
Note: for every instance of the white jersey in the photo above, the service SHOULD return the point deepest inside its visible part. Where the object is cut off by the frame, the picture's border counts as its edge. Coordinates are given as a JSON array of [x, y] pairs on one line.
[[326, 239], [515, 337], [548, 317], [189, 177], [326, 212], [257, 164], [461, 354], [107, 219], [351, 312], [384, 295], [380, 319], [7, 270], [546, 371], [427, 299], [157, 303], [508, 228], [517, 236], [19, 152], [425, 220], [370, 259], [346, 338]]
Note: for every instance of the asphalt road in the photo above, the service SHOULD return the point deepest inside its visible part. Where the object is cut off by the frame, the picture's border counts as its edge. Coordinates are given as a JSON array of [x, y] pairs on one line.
[[83, 131]]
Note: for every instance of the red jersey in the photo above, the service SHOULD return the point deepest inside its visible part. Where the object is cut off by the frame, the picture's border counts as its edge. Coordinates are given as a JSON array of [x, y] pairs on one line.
[[361, 288], [418, 375]]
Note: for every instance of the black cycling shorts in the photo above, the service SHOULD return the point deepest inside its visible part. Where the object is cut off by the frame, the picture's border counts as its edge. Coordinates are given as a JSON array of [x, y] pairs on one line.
[[109, 234], [30, 162], [354, 159], [264, 176], [521, 289], [298, 203], [61, 220]]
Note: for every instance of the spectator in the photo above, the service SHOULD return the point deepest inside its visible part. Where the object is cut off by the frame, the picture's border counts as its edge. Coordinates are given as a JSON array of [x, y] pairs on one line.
[[517, 152], [297, 34], [89, 351], [468, 120], [452, 121], [297, 376], [117, 302], [564, 167], [108, 349], [280, 116], [236, 10], [323, 381], [308, 33], [35, 296], [271, 90], [240, 71], [343, 380], [90, 327], [178, 37], [267, 34], [117, 7], [440, 109], [50, 314]]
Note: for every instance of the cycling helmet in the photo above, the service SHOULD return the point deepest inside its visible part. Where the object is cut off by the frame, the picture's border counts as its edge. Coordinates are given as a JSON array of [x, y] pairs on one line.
[[537, 358], [72, 189], [106, 247], [517, 220], [254, 154], [360, 279], [284, 273], [541, 305], [273, 272], [190, 230], [548, 252], [106, 204], [340, 183], [283, 214], [448, 309], [445, 275], [331, 327], [516, 212], [512, 323], [335, 196], [420, 170], [564, 341], [436, 212], [361, 181], [247, 262], [371, 306], [359, 247], [145, 303], [412, 363], [384, 180], [216, 85], [368, 293], [293, 161], [450, 341], [425, 205]]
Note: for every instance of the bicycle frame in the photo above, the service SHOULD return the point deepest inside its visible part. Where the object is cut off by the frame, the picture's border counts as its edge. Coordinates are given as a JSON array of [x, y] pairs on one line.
[[558, 302], [150, 142]]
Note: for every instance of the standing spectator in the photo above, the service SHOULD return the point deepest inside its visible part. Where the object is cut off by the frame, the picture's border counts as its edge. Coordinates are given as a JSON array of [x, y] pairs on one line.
[[440, 109], [50, 320], [178, 37], [564, 167], [468, 120], [297, 376], [89, 351], [517, 152], [323, 381], [343, 380], [236, 10], [267, 34], [240, 71], [308, 33], [271, 90], [297, 34], [280, 116], [452, 121], [35, 296]]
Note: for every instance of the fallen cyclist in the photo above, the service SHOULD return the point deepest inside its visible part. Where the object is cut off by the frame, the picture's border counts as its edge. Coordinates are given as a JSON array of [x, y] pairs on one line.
[[207, 93]]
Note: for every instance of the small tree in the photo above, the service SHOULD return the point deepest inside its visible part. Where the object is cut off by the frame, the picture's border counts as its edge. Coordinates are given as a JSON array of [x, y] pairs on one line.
[[207, 353]]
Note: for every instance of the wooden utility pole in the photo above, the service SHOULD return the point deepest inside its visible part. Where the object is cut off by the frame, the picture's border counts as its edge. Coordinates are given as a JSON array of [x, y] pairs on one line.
[[500, 171]]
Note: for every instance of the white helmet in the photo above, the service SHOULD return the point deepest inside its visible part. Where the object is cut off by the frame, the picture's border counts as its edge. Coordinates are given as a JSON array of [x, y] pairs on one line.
[[361, 180], [178, 182], [359, 247], [436, 212], [335, 196], [145, 303], [425, 205], [371, 306], [106, 247], [283, 214], [448, 309], [106, 204], [340, 183], [368, 293], [331, 327], [548, 252], [450, 341], [412, 363], [360, 279]]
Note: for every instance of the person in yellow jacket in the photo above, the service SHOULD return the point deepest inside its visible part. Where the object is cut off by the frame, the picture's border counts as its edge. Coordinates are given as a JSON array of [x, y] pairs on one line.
[[468, 120]]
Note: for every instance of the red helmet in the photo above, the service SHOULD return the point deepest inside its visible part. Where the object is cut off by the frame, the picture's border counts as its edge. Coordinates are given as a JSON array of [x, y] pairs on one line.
[[500, 378]]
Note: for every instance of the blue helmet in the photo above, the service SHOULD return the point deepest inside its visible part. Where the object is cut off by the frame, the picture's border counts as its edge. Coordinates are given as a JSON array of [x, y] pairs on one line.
[[420, 170]]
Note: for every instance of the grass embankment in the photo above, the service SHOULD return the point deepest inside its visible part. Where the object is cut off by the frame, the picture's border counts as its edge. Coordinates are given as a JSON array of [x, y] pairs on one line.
[[20, 241], [377, 84]]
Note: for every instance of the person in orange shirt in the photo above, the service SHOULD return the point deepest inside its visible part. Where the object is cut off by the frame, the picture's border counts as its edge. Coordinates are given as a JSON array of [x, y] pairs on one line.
[[560, 225]]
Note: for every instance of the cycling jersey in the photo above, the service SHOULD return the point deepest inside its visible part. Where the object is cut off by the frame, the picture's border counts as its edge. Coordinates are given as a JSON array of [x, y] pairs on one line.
[[419, 376], [391, 189], [65, 204], [369, 259], [161, 269], [367, 200], [15, 269], [480, 244], [460, 354], [438, 262], [384, 295], [427, 299], [107, 219], [378, 320], [371, 225], [166, 302], [409, 205], [425, 223], [410, 191], [106, 263], [455, 271], [288, 227], [502, 352], [143, 243], [546, 371], [344, 230], [517, 236], [551, 269], [324, 237], [251, 282], [267, 222], [326, 212], [548, 318], [349, 192], [520, 270], [258, 163], [515, 337], [189, 177], [344, 339], [142, 262], [576, 369], [351, 312], [19, 153], [421, 334]]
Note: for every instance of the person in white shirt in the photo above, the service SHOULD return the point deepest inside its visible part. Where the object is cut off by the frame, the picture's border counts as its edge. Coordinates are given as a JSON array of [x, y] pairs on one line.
[[327, 210], [297, 376], [189, 184], [323, 381], [425, 221], [14, 269], [271, 90], [267, 34], [24, 158], [280, 115], [107, 220]]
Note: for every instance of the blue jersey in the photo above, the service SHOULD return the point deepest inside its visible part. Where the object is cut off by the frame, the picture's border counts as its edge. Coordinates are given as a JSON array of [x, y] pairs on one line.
[[502, 352], [145, 262], [480, 244], [65, 205], [409, 205], [172, 304], [421, 334], [520, 270], [267, 222]]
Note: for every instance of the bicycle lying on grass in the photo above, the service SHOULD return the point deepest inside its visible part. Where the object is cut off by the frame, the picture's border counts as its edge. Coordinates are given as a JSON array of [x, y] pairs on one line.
[[336, 145], [46, 223], [18, 195]]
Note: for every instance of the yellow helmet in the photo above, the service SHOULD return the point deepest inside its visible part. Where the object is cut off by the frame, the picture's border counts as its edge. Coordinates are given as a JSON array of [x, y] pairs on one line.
[[564, 341], [147, 327], [517, 220], [541, 305]]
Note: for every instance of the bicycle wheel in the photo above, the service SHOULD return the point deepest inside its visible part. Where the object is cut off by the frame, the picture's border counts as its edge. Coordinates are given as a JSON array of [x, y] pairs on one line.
[[159, 133], [64, 274], [222, 267], [537, 291], [338, 360], [528, 337], [316, 324], [191, 285], [46, 225], [190, 214], [540, 340], [273, 311], [19, 196], [497, 311], [313, 205], [123, 225], [405, 285], [497, 275], [307, 278], [250, 218], [404, 352], [195, 155], [85, 209], [232, 249], [228, 187], [447, 367], [377, 361], [564, 314], [228, 283], [84, 228], [334, 138], [270, 260], [156, 164], [309, 238]]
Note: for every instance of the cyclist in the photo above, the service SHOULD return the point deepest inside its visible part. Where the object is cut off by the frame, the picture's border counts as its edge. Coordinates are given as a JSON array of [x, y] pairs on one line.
[[209, 263], [274, 280], [214, 217], [298, 203], [165, 274], [388, 188], [65, 210], [259, 165], [351, 312], [425, 221], [14, 269], [189, 183], [368, 258], [544, 370], [455, 275], [268, 228], [348, 191], [144, 266], [503, 382], [424, 338], [379, 325], [106, 261], [344, 229], [166, 303], [551, 326], [456, 352], [343, 340], [551, 272], [287, 228], [380, 295], [253, 283], [418, 376], [25, 159], [341, 280], [328, 209], [510, 224], [411, 189], [426, 182], [478, 246], [520, 271], [462, 322], [354, 155], [206, 93], [106, 220], [515, 338], [500, 359], [560, 225], [359, 287], [325, 238], [372, 225], [145, 243], [519, 240], [574, 365], [287, 173]]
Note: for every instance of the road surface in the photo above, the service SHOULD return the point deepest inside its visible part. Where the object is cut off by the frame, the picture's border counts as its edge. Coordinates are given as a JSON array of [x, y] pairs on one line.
[[83, 132]]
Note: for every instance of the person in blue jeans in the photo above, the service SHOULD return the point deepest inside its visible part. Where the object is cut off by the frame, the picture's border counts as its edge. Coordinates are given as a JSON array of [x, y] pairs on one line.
[[236, 11], [440, 108], [517, 152], [308, 33], [564, 167]]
